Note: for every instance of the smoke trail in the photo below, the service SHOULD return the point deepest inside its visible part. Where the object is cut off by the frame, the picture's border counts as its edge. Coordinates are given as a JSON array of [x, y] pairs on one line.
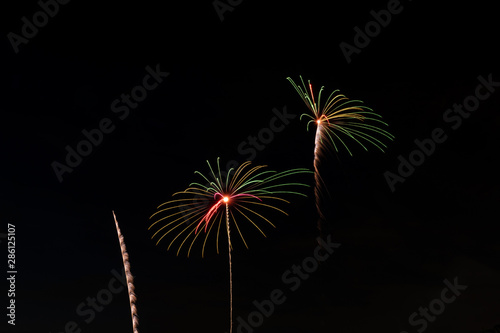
[[130, 278]]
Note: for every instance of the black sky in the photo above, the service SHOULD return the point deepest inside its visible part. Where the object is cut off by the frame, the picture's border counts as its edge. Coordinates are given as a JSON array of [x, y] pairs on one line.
[[225, 78]]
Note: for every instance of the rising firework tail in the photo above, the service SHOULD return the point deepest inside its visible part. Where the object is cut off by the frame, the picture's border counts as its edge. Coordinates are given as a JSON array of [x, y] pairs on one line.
[[129, 277]]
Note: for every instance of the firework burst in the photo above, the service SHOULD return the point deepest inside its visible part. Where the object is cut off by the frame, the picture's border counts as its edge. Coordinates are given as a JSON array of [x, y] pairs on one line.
[[240, 196], [338, 120]]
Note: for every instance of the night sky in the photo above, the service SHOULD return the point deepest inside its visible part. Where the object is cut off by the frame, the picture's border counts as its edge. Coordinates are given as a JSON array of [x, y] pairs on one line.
[[217, 80]]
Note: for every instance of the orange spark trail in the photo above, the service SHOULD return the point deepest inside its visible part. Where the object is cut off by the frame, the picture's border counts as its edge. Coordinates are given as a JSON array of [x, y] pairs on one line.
[[130, 278]]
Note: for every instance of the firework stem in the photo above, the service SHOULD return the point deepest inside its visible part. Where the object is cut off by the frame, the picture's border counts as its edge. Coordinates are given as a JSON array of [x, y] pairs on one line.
[[317, 178], [230, 271]]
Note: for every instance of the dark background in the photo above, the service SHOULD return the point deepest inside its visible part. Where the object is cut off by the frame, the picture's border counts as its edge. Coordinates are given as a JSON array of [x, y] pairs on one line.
[[225, 79]]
